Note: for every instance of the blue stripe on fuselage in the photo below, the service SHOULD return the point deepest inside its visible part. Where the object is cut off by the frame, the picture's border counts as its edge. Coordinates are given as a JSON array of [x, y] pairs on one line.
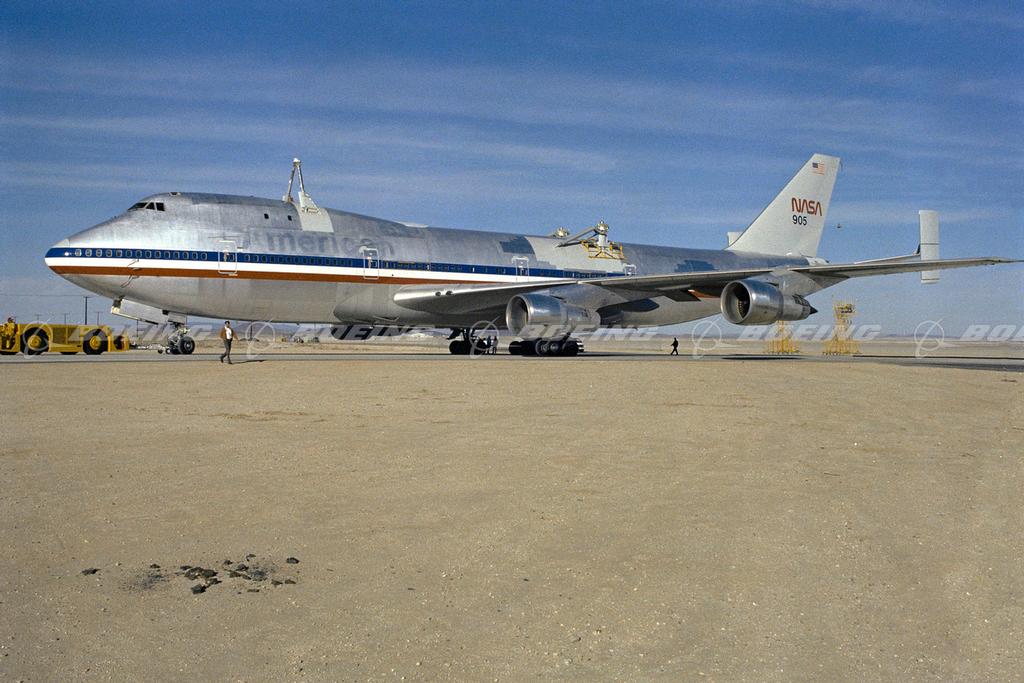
[[185, 256]]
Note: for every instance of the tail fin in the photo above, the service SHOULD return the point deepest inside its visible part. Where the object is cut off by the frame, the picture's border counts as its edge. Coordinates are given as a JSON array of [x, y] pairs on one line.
[[793, 222]]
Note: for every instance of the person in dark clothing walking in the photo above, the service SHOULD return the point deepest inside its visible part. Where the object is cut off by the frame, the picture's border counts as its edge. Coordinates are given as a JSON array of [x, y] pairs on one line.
[[675, 347], [228, 335]]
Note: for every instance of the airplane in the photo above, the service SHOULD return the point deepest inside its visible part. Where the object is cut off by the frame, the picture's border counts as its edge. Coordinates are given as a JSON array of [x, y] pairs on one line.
[[181, 254]]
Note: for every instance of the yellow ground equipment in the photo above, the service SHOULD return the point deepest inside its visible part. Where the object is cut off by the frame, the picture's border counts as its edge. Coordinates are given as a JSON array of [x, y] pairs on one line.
[[35, 338], [841, 343], [782, 342]]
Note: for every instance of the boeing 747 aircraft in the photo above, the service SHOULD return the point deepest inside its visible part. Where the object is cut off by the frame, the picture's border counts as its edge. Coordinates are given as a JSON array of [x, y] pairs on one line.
[[183, 254]]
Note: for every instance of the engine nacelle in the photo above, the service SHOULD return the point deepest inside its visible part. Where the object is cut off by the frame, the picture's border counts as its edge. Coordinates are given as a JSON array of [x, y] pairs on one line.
[[752, 302], [541, 316]]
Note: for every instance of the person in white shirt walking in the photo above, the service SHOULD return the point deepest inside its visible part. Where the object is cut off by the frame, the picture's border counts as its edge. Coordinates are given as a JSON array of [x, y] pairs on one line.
[[227, 334]]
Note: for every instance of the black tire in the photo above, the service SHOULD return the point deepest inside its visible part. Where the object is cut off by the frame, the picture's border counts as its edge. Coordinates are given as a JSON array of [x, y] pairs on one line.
[[68, 353], [95, 343], [459, 348], [35, 342], [570, 348], [515, 348], [186, 345]]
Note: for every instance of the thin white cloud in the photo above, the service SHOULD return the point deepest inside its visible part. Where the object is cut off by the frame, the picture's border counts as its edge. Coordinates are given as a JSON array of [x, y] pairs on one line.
[[311, 134], [345, 93], [917, 12]]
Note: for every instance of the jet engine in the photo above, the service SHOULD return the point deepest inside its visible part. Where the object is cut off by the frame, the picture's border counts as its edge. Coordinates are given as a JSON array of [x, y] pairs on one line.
[[753, 302], [543, 316]]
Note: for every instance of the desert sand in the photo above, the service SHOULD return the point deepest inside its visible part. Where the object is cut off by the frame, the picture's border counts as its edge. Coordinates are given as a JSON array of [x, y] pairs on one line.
[[735, 520]]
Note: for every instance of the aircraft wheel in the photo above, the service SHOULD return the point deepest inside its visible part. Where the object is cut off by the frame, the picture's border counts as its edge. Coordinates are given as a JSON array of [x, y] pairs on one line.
[[186, 345], [515, 348], [570, 348], [95, 343], [458, 348], [35, 342]]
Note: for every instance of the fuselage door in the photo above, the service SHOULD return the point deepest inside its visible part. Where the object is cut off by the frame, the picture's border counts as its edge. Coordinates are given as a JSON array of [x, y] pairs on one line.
[[371, 263], [522, 265], [227, 258]]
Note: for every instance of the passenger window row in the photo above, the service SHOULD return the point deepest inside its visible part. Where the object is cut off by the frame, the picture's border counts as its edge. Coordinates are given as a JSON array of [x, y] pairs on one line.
[[143, 253]]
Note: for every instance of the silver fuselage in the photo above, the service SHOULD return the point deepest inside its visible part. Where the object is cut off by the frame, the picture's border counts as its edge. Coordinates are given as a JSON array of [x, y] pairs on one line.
[[247, 258]]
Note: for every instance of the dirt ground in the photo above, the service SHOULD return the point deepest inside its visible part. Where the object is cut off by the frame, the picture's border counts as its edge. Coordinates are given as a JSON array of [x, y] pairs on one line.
[[738, 520]]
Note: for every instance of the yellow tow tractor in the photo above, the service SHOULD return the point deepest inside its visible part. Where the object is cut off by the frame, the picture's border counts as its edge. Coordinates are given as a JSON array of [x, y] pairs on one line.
[[35, 338]]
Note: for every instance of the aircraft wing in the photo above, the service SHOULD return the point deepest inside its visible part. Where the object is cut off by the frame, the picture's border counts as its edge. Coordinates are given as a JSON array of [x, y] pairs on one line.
[[479, 298], [445, 298], [719, 278]]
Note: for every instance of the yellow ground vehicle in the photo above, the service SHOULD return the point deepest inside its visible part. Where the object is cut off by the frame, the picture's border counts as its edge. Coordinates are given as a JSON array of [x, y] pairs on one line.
[[35, 338]]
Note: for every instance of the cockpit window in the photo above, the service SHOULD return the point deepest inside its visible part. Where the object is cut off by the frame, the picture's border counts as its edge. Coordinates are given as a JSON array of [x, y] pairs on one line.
[[151, 206]]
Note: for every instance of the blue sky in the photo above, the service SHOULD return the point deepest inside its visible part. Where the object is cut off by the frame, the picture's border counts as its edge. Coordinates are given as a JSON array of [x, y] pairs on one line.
[[672, 123]]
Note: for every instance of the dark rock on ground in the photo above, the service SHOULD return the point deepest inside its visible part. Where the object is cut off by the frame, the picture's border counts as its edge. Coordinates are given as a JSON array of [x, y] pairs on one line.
[[198, 588], [200, 573], [292, 560], [90, 571]]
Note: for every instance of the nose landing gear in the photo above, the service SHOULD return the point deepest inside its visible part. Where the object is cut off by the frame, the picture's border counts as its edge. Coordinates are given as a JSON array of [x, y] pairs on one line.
[[179, 343]]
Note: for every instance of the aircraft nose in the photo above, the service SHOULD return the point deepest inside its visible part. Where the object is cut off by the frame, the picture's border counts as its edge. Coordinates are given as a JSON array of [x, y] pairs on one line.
[[60, 250], [60, 258]]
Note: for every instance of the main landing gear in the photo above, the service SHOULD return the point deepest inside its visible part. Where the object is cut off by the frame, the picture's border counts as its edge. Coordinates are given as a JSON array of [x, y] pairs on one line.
[[179, 343], [545, 347], [471, 343]]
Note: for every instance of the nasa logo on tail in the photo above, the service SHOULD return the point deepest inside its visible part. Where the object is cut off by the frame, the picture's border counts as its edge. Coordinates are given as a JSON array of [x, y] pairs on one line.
[[808, 206]]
